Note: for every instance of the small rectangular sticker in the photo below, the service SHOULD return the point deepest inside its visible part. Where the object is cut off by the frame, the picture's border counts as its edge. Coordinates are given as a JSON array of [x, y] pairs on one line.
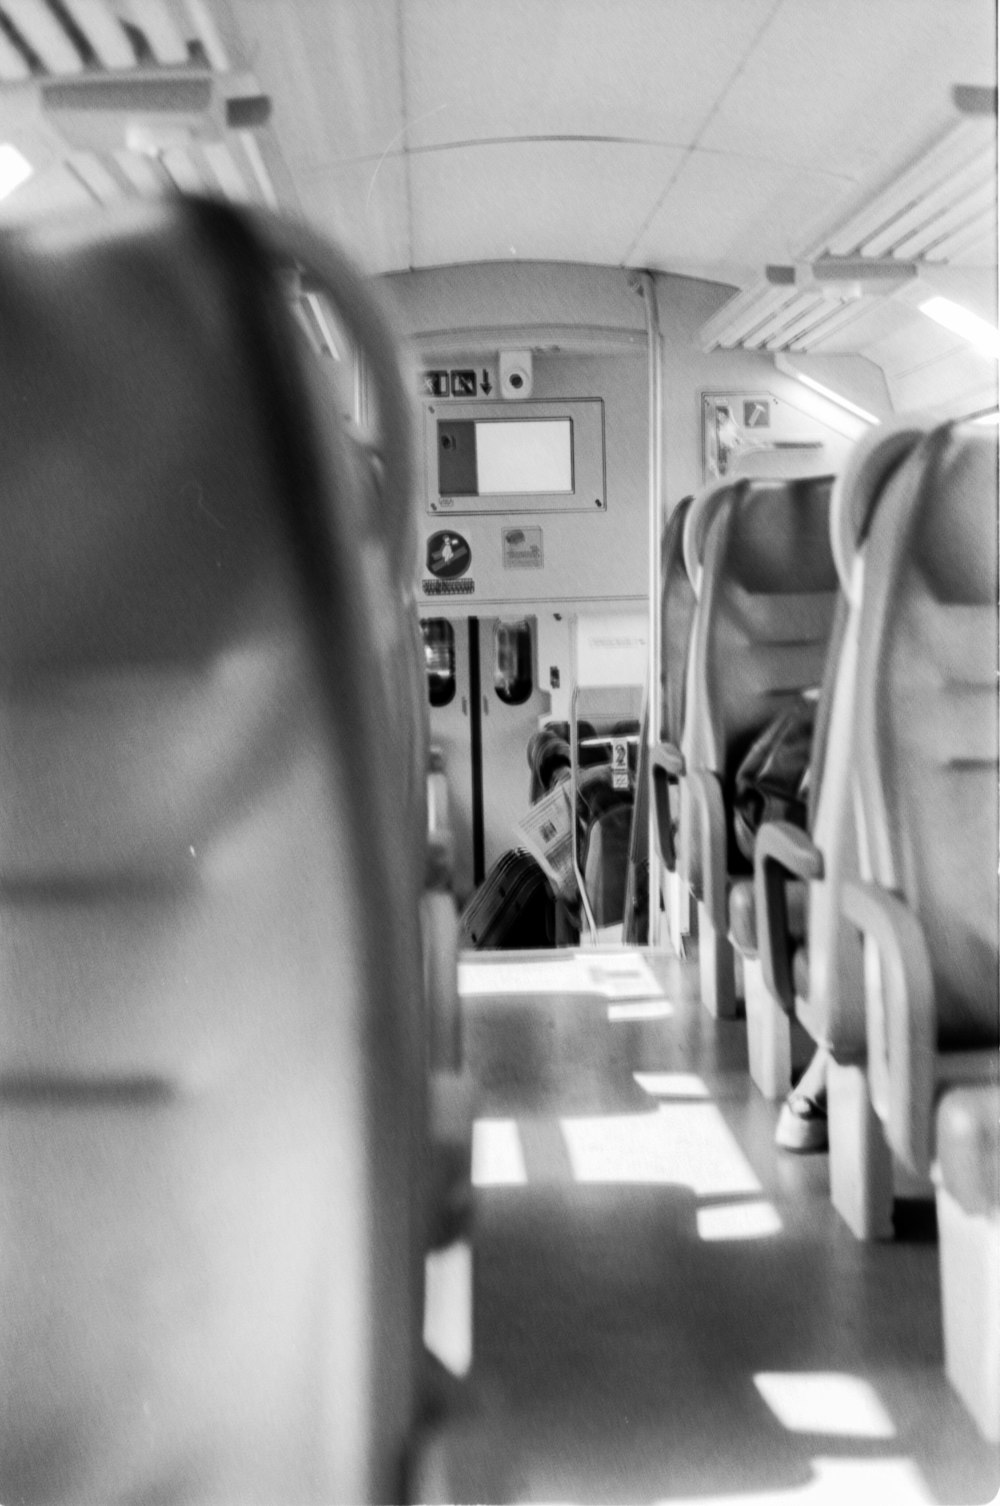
[[464, 587], [619, 764], [522, 549]]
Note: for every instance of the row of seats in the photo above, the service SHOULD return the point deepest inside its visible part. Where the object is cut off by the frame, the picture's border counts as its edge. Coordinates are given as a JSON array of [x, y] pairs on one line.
[[876, 927], [232, 1120]]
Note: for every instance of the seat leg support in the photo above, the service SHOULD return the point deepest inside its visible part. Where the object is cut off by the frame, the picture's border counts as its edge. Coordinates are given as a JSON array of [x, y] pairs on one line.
[[861, 1185], [769, 1034], [677, 899], [717, 968]]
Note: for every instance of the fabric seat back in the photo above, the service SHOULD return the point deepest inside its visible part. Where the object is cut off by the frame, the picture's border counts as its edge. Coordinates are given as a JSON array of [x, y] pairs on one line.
[[212, 1086], [927, 750], [766, 596]]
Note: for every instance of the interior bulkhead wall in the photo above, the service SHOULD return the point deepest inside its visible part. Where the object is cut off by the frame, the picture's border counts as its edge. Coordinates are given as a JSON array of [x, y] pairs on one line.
[[531, 384]]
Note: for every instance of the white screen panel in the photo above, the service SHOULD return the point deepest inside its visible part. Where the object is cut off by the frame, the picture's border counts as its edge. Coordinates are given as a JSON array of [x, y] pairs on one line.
[[525, 457]]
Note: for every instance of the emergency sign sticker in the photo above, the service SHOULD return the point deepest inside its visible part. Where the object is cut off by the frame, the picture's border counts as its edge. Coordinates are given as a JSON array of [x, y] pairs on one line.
[[619, 764], [449, 587], [448, 555], [522, 549]]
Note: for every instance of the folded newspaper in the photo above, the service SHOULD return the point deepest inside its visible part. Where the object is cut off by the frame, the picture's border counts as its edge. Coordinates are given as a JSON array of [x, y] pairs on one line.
[[548, 835]]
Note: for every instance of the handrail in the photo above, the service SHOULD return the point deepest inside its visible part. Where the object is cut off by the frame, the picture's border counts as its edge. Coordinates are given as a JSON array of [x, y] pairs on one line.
[[654, 357]]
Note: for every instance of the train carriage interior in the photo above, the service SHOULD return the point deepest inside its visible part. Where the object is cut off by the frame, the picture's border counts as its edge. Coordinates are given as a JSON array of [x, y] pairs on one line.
[[499, 811]]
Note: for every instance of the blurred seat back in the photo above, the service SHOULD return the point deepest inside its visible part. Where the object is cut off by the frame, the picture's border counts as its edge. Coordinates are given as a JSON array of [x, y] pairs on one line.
[[926, 758], [212, 1087]]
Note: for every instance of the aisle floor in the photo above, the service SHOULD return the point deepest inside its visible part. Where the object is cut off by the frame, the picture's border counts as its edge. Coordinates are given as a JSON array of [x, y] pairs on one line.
[[666, 1306]]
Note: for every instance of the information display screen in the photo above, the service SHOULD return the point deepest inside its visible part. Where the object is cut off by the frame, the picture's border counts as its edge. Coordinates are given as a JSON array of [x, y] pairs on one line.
[[495, 462], [512, 457]]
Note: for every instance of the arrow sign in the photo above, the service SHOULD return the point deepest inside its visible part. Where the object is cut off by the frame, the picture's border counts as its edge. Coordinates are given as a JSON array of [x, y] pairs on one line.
[[487, 384]]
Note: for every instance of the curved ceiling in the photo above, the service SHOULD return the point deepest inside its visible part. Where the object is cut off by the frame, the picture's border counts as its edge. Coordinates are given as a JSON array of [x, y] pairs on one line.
[[701, 136], [711, 138]]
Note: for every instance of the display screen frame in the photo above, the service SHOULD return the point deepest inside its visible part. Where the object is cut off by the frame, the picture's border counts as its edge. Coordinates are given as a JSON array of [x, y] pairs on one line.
[[451, 469]]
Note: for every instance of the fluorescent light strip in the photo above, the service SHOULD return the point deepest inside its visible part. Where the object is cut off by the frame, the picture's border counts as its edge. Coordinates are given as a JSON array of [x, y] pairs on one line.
[[979, 333], [836, 397], [15, 169]]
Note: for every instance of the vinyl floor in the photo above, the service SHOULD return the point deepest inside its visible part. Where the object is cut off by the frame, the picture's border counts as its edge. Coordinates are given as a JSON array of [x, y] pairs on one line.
[[666, 1307]]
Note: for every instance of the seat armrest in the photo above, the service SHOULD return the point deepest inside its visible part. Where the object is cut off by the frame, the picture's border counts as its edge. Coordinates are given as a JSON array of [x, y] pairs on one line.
[[901, 1019], [438, 862], [451, 1112], [443, 1011], [706, 790], [781, 852], [668, 767]]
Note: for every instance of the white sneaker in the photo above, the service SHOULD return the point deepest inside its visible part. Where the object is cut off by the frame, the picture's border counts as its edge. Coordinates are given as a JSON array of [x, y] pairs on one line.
[[802, 1124]]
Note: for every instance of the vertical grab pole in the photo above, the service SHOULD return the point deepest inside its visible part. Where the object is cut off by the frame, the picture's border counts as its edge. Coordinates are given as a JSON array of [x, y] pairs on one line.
[[654, 356]]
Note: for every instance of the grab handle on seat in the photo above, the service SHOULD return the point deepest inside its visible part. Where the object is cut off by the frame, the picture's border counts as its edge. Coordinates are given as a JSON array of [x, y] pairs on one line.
[[668, 768], [781, 851], [901, 1019]]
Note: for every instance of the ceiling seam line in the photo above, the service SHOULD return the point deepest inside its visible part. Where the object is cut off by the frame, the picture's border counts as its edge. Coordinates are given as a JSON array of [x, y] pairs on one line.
[[405, 110], [434, 147], [690, 151]]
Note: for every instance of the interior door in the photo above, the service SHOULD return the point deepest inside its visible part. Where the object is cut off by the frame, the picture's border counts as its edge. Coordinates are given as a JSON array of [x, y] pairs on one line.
[[446, 646], [511, 705]]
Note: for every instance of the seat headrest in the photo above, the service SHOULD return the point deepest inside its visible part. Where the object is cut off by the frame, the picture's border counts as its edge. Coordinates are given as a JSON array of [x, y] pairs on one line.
[[769, 505], [856, 489], [700, 515]]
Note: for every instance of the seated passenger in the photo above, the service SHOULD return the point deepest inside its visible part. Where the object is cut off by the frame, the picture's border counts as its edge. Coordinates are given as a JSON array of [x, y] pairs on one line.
[[772, 785]]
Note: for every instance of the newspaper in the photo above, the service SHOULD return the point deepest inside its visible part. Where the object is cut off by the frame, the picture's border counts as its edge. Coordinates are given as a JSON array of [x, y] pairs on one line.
[[548, 834]]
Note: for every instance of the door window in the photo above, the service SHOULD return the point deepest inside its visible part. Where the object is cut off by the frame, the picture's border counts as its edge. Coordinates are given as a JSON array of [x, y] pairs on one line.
[[439, 658], [512, 679]]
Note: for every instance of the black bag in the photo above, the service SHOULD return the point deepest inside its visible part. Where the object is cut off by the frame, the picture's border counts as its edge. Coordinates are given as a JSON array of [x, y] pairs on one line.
[[772, 780], [512, 909]]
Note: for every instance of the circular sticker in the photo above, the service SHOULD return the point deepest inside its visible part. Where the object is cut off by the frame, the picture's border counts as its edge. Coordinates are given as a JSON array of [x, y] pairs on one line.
[[448, 555]]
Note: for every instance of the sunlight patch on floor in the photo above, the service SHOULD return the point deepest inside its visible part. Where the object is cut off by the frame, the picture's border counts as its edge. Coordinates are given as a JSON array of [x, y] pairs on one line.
[[671, 1084], [686, 1144], [752, 1220], [481, 976], [612, 975], [640, 1009], [835, 1482], [448, 1306], [839, 1405], [497, 1154], [620, 975]]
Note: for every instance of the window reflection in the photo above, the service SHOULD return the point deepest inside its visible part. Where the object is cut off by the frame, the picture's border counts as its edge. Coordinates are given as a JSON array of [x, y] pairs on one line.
[[512, 662], [439, 657]]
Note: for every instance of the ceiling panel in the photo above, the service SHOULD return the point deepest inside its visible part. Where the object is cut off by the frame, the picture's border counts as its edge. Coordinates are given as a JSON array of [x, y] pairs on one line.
[[534, 201], [638, 69], [363, 206], [333, 71], [854, 82], [724, 209]]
